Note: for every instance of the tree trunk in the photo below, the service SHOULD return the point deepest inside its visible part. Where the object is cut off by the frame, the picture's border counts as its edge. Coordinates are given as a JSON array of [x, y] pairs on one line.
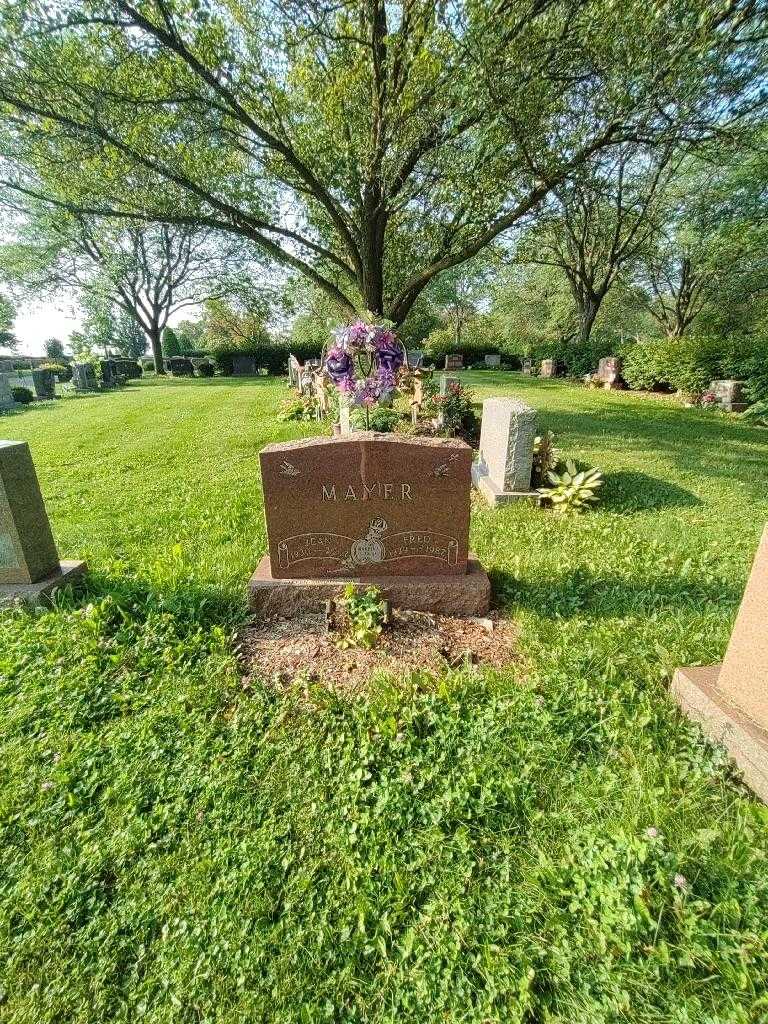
[[157, 349], [589, 312]]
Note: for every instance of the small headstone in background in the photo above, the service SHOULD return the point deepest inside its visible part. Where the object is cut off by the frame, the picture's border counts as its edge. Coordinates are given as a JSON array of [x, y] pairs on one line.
[[181, 366], [493, 360], [129, 368], [44, 382], [548, 368], [730, 700], [83, 377], [729, 394], [29, 563], [245, 366], [454, 361], [108, 373], [6, 395], [507, 434], [415, 358], [527, 366], [609, 373]]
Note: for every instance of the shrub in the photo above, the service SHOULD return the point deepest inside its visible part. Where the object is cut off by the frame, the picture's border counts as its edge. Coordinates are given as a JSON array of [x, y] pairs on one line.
[[206, 370], [22, 395], [170, 343], [62, 372], [688, 364], [273, 357], [757, 413], [455, 408]]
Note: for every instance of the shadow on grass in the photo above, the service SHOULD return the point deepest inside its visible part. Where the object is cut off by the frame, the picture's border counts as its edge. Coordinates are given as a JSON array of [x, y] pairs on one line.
[[580, 593], [628, 492], [189, 602]]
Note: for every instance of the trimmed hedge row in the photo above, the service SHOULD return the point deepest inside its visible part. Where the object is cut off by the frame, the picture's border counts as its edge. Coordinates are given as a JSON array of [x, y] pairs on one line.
[[273, 358]]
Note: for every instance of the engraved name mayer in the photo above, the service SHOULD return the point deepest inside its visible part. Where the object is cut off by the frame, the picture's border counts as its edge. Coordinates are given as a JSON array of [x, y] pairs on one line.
[[366, 504]]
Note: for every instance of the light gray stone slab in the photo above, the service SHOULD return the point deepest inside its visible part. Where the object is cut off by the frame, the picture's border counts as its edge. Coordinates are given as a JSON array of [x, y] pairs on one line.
[[507, 434]]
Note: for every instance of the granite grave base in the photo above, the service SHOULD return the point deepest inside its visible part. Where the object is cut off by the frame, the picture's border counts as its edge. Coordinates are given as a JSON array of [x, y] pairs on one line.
[[730, 700], [494, 494], [463, 595], [696, 692], [69, 573]]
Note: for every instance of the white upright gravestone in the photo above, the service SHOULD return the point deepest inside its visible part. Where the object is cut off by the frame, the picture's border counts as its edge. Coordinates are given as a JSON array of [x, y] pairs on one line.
[[503, 470]]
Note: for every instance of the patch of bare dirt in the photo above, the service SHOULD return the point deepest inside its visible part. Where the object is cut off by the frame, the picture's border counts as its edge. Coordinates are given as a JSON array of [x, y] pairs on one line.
[[281, 651]]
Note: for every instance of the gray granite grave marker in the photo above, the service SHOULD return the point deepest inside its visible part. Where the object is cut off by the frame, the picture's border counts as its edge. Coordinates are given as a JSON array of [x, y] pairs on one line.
[[503, 471], [29, 563]]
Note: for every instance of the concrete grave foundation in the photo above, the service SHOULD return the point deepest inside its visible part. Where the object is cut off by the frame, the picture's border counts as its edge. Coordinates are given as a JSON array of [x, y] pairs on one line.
[[730, 701]]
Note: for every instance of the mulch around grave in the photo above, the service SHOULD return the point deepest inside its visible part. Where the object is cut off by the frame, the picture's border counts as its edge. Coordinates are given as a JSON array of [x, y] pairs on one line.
[[282, 651]]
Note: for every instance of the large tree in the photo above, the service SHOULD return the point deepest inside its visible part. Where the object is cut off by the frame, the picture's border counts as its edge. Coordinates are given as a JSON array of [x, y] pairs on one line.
[[369, 145], [708, 252], [7, 315], [148, 271], [600, 223]]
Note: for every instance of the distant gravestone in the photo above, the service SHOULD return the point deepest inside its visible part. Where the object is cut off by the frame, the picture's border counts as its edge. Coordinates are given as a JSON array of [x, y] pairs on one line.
[[527, 366], [492, 360], [84, 377], [129, 368], [108, 373], [729, 394], [454, 361], [548, 368], [507, 434], [377, 508], [245, 366], [731, 700], [6, 395], [29, 563], [180, 366], [44, 383], [415, 358]]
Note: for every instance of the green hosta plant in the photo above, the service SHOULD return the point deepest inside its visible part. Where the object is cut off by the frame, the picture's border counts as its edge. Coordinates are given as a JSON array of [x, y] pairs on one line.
[[365, 617], [572, 490]]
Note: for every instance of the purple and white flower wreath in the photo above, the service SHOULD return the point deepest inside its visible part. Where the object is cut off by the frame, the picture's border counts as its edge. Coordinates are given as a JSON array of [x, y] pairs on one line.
[[363, 362]]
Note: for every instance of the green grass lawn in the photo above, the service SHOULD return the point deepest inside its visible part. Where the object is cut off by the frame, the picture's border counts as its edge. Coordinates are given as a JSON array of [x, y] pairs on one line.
[[472, 848]]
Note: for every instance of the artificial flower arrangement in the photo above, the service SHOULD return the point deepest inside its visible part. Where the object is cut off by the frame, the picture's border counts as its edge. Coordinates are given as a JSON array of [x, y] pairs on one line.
[[364, 361]]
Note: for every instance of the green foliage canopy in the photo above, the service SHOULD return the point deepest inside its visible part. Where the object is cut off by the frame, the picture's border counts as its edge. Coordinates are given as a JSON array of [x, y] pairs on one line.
[[370, 146]]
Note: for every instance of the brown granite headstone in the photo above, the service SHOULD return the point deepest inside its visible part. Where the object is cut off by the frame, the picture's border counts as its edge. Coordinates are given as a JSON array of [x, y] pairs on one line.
[[731, 700], [29, 562], [454, 361], [367, 504]]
